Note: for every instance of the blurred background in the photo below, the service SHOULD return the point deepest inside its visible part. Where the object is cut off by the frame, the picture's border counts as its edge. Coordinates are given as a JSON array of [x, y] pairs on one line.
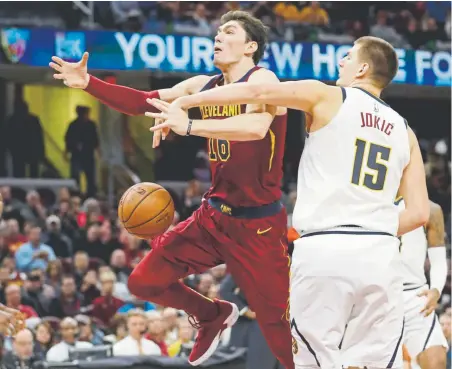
[[78, 304]]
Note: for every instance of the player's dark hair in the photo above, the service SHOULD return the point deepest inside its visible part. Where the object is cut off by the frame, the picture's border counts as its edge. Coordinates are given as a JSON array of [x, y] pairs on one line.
[[381, 57], [255, 30]]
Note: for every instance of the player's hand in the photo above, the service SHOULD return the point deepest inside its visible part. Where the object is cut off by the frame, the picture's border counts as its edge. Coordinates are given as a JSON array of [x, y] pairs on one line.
[[250, 314], [11, 321], [173, 116], [433, 296], [74, 75], [159, 134]]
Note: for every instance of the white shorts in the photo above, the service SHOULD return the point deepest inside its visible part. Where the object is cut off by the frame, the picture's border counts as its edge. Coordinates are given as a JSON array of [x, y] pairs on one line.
[[346, 302], [421, 332]]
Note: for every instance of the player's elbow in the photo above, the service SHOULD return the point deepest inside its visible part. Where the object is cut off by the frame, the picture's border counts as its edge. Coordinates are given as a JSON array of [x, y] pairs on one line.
[[422, 215]]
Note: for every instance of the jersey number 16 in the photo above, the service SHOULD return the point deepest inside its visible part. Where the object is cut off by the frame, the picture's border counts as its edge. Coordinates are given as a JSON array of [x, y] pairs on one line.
[[374, 158]]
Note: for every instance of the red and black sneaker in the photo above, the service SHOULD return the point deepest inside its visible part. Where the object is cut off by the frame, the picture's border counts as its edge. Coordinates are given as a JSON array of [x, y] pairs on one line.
[[209, 333]]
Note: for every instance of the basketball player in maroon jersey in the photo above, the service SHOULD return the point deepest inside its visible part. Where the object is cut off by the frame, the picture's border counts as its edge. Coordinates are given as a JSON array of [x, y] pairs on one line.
[[241, 221], [11, 320]]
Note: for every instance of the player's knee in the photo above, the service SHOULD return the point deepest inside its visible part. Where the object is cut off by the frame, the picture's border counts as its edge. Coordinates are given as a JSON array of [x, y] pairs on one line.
[[142, 280]]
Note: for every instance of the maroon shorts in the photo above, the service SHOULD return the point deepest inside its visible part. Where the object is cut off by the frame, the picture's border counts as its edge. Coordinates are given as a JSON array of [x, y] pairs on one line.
[[254, 249]]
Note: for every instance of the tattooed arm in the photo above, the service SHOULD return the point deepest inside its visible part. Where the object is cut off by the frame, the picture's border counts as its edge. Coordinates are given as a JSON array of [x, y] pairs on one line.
[[437, 256]]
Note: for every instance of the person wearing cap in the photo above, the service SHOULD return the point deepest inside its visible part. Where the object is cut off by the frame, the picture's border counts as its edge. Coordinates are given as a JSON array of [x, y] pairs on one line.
[[60, 243], [88, 331], [69, 331]]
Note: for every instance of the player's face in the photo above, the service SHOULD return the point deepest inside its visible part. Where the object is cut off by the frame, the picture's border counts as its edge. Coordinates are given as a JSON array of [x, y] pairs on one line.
[[231, 45], [351, 68]]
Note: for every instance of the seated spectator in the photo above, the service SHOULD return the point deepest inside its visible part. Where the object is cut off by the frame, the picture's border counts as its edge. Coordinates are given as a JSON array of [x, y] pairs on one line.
[[106, 306], [287, 10], [205, 282], [11, 206], [69, 303], [88, 331], [118, 327], [118, 263], [69, 331], [34, 210], [22, 355], [383, 30], [89, 287], [14, 239], [34, 254], [314, 14], [92, 213], [61, 244], [120, 291], [80, 267], [133, 249], [157, 330], [171, 316], [43, 341], [185, 342], [40, 293], [4, 250], [69, 224], [135, 344], [54, 274], [200, 20], [14, 301]]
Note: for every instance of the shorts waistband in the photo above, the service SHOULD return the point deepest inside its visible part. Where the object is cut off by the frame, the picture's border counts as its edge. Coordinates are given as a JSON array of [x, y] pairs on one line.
[[345, 229], [243, 212]]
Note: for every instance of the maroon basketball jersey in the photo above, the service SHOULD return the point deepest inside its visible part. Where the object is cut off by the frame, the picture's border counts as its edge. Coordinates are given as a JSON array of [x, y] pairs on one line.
[[245, 173]]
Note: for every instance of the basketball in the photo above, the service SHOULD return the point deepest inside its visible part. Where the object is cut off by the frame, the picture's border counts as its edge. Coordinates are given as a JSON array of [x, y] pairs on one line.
[[146, 210]]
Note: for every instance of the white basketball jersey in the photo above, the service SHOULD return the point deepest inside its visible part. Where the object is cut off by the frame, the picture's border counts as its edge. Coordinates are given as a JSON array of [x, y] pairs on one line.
[[413, 249], [350, 170]]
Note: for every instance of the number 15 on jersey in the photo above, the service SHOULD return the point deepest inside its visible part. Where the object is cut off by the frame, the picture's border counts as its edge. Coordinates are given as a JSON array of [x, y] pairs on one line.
[[370, 165]]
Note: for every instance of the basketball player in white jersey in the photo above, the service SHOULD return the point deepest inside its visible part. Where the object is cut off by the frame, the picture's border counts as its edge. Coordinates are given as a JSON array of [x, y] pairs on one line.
[[359, 153], [423, 337]]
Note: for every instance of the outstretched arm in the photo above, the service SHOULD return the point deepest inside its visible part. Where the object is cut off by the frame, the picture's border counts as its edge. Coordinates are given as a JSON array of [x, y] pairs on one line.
[[300, 95], [124, 99], [417, 207]]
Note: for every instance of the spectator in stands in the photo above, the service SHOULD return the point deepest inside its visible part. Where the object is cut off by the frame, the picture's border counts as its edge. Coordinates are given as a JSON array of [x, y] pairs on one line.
[[105, 243], [200, 20], [39, 293], [185, 342], [4, 250], [80, 267], [43, 341], [118, 327], [133, 250], [69, 303], [10, 274], [127, 15], [34, 211], [314, 14], [34, 254], [118, 263], [11, 206], [14, 301], [25, 141], [54, 274], [88, 331], [205, 282], [383, 30], [22, 355], [69, 330], [82, 141], [171, 317], [15, 239], [61, 244], [89, 287], [69, 224], [106, 306], [413, 34], [120, 290], [157, 330], [135, 344], [193, 196], [218, 272]]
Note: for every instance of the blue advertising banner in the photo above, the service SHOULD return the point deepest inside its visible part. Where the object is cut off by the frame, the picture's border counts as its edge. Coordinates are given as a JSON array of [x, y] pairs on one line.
[[192, 54]]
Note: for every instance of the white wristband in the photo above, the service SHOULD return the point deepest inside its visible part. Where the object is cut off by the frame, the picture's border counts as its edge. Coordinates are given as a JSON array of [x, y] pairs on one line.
[[438, 267]]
